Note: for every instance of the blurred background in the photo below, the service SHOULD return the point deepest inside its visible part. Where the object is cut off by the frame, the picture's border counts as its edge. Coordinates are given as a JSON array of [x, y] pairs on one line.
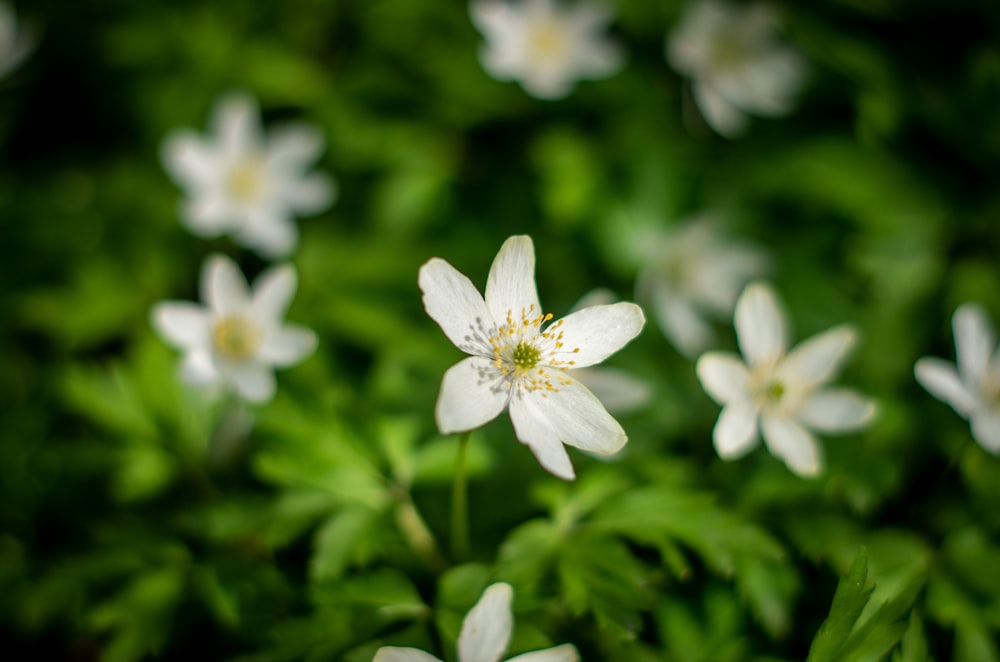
[[141, 519]]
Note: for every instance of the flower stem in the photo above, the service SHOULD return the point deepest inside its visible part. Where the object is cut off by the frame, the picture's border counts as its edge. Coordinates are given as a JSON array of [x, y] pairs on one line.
[[459, 503], [417, 533]]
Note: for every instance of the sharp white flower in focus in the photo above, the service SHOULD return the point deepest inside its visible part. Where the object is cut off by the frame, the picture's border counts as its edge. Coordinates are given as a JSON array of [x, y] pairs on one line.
[[521, 361], [241, 182], [783, 394], [543, 46], [484, 637], [973, 389], [736, 62], [15, 42], [692, 273], [238, 336]]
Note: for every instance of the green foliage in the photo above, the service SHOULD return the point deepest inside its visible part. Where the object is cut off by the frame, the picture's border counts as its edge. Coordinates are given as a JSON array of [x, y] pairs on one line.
[[142, 518]]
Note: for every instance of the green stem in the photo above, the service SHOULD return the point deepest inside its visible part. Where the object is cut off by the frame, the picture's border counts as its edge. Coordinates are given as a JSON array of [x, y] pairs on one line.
[[460, 503], [417, 533]]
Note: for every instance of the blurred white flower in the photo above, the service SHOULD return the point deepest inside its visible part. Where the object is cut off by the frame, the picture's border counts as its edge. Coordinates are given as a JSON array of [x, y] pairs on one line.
[[519, 362], [736, 62], [15, 42], [545, 47], [973, 390], [618, 390], [690, 273], [242, 183], [484, 637], [783, 393], [238, 337]]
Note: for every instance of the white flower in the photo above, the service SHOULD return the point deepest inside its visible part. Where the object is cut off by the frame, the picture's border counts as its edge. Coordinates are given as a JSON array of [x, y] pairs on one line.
[[735, 61], [693, 272], [544, 47], [784, 393], [521, 361], [15, 43], [242, 183], [484, 636], [238, 337], [973, 390]]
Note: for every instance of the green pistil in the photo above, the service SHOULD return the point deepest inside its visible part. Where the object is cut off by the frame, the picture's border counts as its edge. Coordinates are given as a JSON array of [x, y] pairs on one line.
[[525, 356], [774, 391]]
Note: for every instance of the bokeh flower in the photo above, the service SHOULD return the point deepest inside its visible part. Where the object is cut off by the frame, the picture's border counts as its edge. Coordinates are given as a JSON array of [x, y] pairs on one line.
[[239, 181], [522, 362], [973, 389], [238, 336], [693, 273], [15, 42], [543, 46], [735, 61], [485, 635], [783, 394]]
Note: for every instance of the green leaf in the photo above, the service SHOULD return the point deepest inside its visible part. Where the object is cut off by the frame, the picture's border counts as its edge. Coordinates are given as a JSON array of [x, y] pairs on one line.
[[350, 536], [848, 602]]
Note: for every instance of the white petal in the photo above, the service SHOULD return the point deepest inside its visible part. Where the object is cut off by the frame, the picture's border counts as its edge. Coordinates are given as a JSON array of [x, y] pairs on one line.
[[209, 214], [273, 292], [680, 321], [536, 432], [986, 429], [577, 416], [453, 302], [510, 287], [398, 654], [188, 158], [254, 382], [791, 442], [760, 325], [836, 410], [310, 194], [735, 432], [593, 334], [473, 393], [269, 233], [816, 360], [723, 376], [224, 288], [182, 323], [617, 390], [487, 627], [198, 368], [294, 145], [719, 113], [564, 653], [236, 124], [286, 346], [942, 381], [974, 341]]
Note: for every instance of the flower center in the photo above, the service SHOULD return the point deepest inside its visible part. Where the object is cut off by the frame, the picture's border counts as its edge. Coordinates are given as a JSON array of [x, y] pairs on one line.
[[523, 353], [246, 180], [525, 356], [767, 391], [546, 42], [235, 337]]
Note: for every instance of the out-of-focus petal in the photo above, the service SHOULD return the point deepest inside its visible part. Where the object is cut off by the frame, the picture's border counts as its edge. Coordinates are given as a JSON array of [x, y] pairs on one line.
[[942, 381], [472, 394], [224, 288], [287, 345], [836, 410], [273, 292], [735, 432], [182, 323], [618, 391], [817, 360], [564, 653], [986, 429], [793, 444], [253, 381], [975, 341], [760, 325], [723, 376], [399, 654], [487, 627]]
